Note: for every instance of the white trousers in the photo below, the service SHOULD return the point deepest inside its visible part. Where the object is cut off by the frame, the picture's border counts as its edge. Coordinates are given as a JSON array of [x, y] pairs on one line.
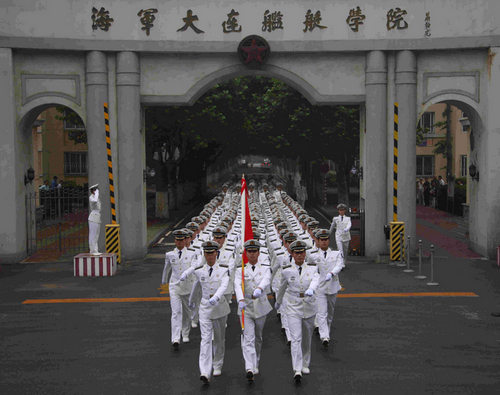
[[301, 330], [94, 230], [197, 301], [212, 353], [345, 248], [251, 343], [284, 320], [326, 306], [181, 316]]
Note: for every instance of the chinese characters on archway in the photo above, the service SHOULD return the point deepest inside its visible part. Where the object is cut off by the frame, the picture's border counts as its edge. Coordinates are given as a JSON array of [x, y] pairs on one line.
[[271, 21]]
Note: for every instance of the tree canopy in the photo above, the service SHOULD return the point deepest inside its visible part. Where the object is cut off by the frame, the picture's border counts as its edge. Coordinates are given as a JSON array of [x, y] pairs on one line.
[[252, 113]]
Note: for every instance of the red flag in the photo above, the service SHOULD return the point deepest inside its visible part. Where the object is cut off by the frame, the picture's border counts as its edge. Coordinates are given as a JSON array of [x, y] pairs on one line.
[[246, 234], [246, 228]]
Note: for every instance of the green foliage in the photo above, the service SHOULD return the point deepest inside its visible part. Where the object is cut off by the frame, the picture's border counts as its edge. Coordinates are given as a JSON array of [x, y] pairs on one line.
[[71, 117]]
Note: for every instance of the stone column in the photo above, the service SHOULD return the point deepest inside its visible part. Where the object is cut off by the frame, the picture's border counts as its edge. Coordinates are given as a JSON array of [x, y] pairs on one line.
[[13, 191], [375, 161], [132, 188], [96, 84], [406, 96]]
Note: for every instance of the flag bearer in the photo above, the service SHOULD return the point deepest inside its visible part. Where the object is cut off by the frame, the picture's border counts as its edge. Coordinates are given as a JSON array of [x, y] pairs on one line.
[[255, 303]]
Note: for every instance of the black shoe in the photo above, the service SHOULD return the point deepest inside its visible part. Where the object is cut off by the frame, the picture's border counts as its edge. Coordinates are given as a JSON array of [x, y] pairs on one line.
[[204, 379], [289, 343], [316, 330], [326, 343], [279, 316], [283, 330], [297, 377], [249, 375], [175, 345]]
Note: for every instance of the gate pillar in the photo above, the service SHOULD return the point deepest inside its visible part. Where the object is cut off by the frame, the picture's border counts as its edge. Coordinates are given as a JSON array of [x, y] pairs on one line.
[[375, 153], [406, 96], [131, 158], [96, 84], [12, 170]]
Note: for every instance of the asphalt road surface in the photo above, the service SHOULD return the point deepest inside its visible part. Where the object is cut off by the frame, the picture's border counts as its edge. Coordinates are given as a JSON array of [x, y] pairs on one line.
[[65, 335]]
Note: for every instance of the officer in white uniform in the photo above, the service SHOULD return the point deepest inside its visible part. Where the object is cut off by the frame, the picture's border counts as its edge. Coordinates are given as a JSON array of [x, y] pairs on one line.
[[213, 279], [329, 264], [178, 262], [255, 303], [299, 283], [94, 219], [342, 224]]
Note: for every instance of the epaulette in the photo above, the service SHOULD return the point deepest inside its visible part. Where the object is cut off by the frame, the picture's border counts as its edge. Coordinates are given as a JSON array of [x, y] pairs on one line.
[[272, 240], [190, 249], [196, 246], [264, 252], [229, 249], [265, 264], [280, 253], [223, 265], [311, 264], [199, 267], [314, 252], [286, 267]]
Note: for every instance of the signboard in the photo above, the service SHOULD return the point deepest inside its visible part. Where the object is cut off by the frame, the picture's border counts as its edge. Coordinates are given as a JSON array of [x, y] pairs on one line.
[[325, 168]]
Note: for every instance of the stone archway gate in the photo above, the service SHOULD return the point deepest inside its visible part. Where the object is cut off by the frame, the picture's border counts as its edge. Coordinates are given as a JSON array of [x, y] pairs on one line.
[[82, 54]]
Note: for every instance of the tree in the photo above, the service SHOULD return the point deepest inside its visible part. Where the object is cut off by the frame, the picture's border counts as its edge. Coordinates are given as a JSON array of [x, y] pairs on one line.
[[71, 118]]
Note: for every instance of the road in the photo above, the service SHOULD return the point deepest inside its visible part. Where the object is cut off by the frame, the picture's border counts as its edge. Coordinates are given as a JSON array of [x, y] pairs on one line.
[[389, 334]]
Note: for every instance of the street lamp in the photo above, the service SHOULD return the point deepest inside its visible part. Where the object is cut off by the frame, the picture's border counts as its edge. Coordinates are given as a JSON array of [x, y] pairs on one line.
[[30, 176], [474, 174]]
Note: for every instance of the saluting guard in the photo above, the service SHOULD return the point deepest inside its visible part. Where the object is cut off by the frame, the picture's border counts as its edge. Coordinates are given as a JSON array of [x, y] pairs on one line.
[[342, 225], [255, 303], [178, 262], [213, 279], [94, 219], [299, 283], [329, 264]]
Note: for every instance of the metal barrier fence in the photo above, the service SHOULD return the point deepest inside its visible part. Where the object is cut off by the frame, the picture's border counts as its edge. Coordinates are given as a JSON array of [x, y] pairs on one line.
[[57, 220]]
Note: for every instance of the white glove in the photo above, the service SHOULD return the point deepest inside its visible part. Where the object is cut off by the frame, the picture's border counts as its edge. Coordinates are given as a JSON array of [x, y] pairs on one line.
[[183, 276], [191, 305], [346, 230], [96, 193], [242, 304], [328, 277], [277, 305], [309, 292], [213, 300], [257, 293]]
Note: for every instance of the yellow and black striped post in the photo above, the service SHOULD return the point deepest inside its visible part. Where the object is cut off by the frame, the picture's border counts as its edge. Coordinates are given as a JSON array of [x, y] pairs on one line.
[[395, 197], [113, 230], [110, 165], [396, 229], [113, 240]]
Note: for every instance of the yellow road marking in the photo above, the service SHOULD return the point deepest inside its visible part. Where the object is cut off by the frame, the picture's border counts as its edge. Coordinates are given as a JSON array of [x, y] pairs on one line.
[[166, 298]]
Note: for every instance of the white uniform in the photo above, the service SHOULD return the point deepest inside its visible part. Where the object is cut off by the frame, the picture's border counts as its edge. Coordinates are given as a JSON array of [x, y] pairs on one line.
[[94, 222], [178, 262], [256, 310], [328, 261], [212, 318], [342, 235], [300, 310]]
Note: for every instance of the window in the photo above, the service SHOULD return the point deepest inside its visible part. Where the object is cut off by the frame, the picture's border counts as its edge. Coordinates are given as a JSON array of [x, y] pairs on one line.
[[465, 128], [425, 166], [75, 163], [427, 122], [463, 165]]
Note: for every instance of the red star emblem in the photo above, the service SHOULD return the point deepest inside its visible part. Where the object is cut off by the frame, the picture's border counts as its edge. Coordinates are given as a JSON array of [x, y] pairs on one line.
[[253, 52]]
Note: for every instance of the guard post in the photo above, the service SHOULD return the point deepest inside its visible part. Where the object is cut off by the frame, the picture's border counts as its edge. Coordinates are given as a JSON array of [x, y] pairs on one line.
[[113, 240], [396, 240]]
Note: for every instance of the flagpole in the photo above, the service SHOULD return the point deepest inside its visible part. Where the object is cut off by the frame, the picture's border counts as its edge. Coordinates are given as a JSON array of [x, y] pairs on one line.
[[243, 215]]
